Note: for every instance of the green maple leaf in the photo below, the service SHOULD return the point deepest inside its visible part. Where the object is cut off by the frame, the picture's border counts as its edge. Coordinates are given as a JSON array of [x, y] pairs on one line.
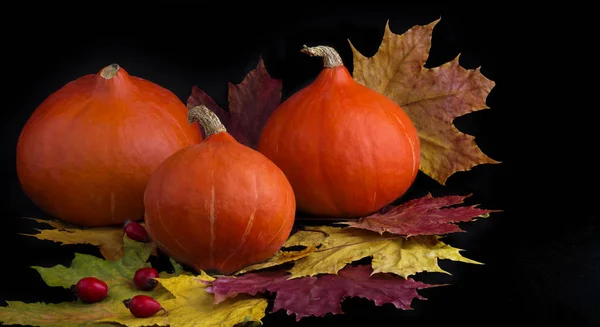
[[181, 293], [116, 274]]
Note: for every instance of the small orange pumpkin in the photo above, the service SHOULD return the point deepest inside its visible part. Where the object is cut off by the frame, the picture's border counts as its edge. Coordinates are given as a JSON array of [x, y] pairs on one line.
[[86, 153], [219, 205], [346, 149]]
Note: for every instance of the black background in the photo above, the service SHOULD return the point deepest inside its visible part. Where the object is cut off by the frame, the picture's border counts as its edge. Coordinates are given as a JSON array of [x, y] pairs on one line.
[[541, 254]]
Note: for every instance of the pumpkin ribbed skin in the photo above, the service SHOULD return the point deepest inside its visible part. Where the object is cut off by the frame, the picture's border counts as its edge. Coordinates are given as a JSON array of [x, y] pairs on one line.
[[86, 153], [347, 150], [219, 205]]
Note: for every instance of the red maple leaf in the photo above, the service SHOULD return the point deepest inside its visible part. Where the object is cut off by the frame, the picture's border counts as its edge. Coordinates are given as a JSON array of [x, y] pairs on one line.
[[250, 104], [422, 216], [317, 296]]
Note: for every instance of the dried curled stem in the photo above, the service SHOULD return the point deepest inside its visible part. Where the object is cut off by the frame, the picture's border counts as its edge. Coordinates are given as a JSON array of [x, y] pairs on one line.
[[331, 58], [208, 119], [110, 71]]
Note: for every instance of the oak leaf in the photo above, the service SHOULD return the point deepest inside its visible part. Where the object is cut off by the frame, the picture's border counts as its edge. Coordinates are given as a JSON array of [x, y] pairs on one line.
[[432, 97], [192, 306], [108, 239], [427, 215], [396, 254], [317, 296], [250, 104]]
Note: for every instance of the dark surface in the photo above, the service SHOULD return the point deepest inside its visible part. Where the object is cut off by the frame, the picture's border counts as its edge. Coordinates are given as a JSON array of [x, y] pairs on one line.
[[541, 254]]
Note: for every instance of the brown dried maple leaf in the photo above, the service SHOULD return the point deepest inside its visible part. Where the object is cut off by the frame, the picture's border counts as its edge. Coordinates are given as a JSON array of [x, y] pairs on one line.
[[317, 296], [427, 215], [250, 104], [432, 98]]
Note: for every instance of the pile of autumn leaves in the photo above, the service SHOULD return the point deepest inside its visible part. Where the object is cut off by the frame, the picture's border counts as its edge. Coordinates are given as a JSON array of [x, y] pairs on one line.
[[315, 270]]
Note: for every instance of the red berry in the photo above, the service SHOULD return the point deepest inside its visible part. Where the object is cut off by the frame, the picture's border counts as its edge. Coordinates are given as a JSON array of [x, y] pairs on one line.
[[136, 231], [143, 306], [144, 278], [90, 290]]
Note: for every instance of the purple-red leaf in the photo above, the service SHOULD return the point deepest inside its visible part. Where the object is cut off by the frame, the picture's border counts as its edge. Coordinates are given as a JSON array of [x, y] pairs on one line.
[[250, 104], [317, 296], [423, 216]]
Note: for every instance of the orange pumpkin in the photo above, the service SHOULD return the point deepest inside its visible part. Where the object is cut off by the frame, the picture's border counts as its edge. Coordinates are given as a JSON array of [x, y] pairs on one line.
[[346, 149], [86, 153], [218, 206]]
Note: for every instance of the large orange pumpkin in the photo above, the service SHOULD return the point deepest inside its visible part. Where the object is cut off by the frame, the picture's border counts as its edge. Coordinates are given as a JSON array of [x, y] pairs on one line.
[[86, 153], [218, 206], [346, 149]]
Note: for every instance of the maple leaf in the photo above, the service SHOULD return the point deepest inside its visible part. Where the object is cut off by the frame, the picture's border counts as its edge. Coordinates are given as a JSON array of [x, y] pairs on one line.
[[186, 303], [108, 239], [250, 104], [432, 98], [279, 258], [193, 306], [52, 315], [176, 271], [399, 255], [308, 238], [422, 216], [317, 296], [116, 274]]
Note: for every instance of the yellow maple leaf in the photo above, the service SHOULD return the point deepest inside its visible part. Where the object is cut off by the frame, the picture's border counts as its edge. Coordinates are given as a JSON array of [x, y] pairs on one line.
[[308, 238], [193, 306], [183, 296], [116, 274], [63, 314], [432, 97], [278, 258], [395, 254], [108, 239]]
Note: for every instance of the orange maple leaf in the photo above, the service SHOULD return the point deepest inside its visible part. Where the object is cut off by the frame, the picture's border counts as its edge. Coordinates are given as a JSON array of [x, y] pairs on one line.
[[432, 97]]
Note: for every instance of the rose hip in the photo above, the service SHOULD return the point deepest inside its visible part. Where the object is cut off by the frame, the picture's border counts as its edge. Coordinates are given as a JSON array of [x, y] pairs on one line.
[[136, 231], [90, 290], [143, 306], [144, 278]]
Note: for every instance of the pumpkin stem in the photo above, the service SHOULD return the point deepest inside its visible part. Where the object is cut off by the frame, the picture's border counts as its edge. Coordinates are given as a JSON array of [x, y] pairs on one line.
[[208, 119], [331, 58], [110, 71]]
